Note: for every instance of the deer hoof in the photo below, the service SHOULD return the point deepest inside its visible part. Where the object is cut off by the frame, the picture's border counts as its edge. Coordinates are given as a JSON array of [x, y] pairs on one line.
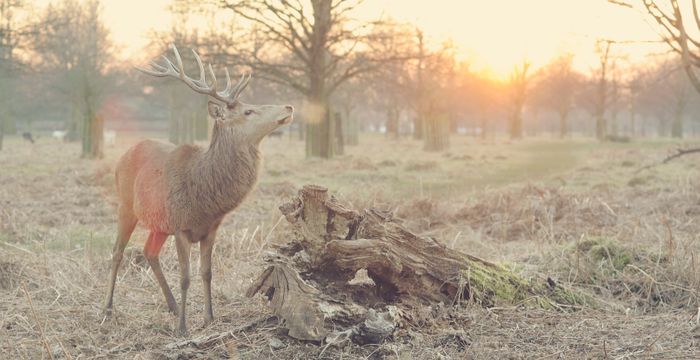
[[106, 313], [172, 309]]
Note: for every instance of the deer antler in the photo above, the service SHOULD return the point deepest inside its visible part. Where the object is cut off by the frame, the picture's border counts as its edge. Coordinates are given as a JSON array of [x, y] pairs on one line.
[[229, 95]]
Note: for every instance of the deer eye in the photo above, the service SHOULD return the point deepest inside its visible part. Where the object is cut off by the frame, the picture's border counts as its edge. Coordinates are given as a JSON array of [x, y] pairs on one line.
[[248, 112]]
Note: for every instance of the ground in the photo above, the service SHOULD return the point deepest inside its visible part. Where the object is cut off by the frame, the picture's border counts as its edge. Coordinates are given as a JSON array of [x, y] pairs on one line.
[[577, 211]]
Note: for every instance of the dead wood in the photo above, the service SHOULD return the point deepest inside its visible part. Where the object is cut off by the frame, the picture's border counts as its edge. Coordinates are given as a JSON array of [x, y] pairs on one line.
[[666, 160], [361, 273]]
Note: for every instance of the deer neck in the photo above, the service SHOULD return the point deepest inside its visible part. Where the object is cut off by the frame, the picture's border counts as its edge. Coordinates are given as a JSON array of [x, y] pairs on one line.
[[230, 169]]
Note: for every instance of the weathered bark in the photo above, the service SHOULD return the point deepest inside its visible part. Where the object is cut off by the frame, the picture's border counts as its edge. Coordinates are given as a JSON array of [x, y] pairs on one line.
[[362, 273], [320, 131], [437, 135]]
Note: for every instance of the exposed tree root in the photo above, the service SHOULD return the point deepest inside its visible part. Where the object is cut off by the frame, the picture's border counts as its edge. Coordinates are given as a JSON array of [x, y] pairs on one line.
[[362, 273]]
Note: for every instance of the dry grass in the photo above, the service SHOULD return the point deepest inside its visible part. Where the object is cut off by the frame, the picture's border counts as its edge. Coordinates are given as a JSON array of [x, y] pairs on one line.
[[571, 211]]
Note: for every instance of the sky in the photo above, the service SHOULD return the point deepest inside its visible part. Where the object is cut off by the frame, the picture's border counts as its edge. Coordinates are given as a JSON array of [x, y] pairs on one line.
[[494, 35]]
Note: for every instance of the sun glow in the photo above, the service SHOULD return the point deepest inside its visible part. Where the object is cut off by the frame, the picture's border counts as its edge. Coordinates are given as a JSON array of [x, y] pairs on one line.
[[494, 35]]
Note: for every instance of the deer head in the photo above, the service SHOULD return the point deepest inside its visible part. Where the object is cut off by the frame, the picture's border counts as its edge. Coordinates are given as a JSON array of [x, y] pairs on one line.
[[246, 123]]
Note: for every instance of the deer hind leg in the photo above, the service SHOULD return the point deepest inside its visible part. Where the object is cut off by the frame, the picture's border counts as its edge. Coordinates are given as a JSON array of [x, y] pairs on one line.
[[206, 247], [152, 253], [183, 245], [126, 223]]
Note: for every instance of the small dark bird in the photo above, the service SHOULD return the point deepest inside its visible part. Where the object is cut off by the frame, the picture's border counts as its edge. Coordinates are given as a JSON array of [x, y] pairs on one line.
[[28, 136]]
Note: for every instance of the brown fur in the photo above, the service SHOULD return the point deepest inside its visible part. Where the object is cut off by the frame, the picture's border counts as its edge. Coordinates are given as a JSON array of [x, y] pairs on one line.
[[187, 190]]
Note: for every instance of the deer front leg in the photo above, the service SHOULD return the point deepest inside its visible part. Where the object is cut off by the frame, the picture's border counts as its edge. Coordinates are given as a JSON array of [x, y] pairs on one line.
[[206, 248], [127, 222], [183, 244]]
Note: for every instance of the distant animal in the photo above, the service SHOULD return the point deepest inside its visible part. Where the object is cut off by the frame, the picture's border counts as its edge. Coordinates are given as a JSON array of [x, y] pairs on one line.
[[28, 136], [277, 134], [110, 137], [187, 190], [59, 135]]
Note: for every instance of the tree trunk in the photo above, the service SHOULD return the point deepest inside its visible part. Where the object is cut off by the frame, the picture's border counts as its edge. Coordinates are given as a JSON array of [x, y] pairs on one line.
[[563, 124], [677, 126], [418, 125], [614, 129], [600, 126], [93, 136], [662, 126], [73, 129], [339, 137], [351, 129], [633, 127], [320, 131], [392, 123], [515, 126], [437, 135], [361, 275]]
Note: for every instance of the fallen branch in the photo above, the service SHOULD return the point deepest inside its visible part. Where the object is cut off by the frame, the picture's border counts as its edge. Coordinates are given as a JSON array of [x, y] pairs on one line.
[[207, 341], [677, 154]]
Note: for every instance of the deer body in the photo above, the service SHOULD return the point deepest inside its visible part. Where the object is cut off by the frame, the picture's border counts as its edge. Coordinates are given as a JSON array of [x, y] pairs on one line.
[[186, 190]]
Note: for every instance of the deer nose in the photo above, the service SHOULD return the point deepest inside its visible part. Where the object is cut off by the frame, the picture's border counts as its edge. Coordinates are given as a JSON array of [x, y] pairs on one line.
[[289, 107]]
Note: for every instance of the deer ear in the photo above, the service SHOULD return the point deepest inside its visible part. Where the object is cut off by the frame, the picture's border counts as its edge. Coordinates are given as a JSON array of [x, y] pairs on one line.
[[216, 111]]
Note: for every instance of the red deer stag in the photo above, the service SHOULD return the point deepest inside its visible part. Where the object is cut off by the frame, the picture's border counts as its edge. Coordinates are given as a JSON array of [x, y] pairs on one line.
[[186, 190]]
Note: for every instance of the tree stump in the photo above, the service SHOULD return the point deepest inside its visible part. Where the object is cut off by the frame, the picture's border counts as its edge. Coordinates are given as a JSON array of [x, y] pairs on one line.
[[363, 273]]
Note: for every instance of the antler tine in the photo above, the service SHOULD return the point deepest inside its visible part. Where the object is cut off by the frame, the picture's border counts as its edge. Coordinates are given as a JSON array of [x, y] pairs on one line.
[[177, 70], [213, 78], [227, 91], [202, 76], [242, 84], [178, 59]]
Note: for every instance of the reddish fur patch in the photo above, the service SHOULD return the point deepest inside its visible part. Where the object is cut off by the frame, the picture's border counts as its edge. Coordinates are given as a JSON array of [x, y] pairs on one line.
[[154, 244]]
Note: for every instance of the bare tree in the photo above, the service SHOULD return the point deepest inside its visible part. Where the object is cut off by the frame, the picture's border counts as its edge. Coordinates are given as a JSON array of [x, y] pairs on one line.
[[518, 86], [76, 51], [556, 89], [601, 88], [348, 98], [312, 49], [391, 85], [674, 30], [11, 34]]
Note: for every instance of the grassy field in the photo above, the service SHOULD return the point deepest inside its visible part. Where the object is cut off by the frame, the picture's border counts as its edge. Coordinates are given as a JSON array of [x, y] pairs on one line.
[[577, 211]]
